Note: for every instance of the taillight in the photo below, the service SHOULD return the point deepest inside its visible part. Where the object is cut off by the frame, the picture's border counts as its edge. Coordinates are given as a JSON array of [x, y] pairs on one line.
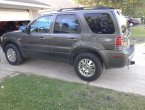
[[118, 42]]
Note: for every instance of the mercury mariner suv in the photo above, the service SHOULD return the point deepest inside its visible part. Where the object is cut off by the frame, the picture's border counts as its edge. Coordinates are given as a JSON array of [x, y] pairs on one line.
[[91, 39]]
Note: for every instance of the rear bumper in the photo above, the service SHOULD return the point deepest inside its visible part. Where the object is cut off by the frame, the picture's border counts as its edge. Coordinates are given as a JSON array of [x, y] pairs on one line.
[[118, 59]]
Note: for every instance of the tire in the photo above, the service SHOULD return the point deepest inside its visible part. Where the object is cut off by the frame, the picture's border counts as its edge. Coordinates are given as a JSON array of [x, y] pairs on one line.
[[89, 73], [13, 54]]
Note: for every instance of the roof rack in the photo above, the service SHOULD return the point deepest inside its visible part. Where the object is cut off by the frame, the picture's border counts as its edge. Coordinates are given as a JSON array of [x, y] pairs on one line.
[[85, 8], [70, 9]]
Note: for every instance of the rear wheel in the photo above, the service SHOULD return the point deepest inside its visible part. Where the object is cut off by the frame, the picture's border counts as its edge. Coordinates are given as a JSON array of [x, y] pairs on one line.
[[13, 54], [88, 66]]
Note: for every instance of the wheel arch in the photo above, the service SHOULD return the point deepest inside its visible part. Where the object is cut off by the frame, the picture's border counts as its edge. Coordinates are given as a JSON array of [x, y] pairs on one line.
[[11, 42], [78, 51]]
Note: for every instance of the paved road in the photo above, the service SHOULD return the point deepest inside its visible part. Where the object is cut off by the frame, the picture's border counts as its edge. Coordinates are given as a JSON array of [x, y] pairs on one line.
[[132, 80]]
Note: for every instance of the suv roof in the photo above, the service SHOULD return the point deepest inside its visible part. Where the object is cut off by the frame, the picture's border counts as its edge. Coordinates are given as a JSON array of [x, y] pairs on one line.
[[85, 8], [80, 9]]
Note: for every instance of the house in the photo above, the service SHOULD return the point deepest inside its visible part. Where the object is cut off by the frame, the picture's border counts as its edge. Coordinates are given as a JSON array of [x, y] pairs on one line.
[[14, 12], [58, 4]]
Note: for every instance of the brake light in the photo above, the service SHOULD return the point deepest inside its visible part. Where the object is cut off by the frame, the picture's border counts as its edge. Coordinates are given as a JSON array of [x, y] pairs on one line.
[[118, 41]]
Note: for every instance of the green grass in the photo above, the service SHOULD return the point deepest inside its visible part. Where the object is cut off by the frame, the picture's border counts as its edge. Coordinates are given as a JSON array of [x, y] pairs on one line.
[[138, 31], [30, 92]]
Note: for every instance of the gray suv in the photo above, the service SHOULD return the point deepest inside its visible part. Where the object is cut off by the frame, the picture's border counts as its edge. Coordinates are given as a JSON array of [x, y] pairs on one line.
[[88, 38]]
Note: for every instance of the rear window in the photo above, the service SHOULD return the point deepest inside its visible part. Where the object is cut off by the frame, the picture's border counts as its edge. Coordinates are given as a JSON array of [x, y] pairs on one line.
[[100, 23], [122, 21]]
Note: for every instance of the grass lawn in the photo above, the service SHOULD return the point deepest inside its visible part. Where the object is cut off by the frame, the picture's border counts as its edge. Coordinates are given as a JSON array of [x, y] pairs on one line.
[[138, 31], [30, 92]]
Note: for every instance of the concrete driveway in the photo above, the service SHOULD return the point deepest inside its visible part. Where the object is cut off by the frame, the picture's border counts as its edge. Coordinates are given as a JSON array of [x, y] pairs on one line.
[[132, 80]]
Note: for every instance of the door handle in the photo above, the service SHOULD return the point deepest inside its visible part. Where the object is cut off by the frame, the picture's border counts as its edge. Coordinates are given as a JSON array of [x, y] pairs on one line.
[[42, 38], [72, 38], [95, 37]]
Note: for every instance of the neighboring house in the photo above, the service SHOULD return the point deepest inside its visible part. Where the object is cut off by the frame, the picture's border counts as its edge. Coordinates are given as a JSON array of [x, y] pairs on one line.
[[14, 12], [19, 9]]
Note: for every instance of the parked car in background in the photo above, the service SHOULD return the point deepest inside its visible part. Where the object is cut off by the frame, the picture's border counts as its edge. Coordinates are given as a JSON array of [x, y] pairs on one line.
[[133, 21], [88, 38]]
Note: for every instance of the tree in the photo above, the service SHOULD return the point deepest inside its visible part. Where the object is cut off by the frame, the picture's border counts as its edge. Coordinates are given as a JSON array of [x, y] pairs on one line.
[[129, 7]]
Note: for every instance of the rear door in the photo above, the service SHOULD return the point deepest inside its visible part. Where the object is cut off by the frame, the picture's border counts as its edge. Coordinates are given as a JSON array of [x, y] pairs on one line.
[[66, 34], [102, 28]]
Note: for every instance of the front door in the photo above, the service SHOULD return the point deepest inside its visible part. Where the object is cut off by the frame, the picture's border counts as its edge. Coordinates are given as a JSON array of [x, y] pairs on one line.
[[66, 35], [36, 43]]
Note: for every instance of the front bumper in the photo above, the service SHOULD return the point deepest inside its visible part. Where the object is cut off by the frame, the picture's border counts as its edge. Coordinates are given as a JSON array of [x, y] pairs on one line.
[[118, 59]]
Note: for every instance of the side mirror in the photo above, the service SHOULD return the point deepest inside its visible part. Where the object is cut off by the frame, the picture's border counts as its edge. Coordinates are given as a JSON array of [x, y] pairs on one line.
[[26, 29], [23, 29]]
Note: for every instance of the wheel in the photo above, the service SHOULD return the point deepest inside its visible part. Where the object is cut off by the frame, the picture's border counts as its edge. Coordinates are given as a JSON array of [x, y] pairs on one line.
[[88, 66], [13, 54]]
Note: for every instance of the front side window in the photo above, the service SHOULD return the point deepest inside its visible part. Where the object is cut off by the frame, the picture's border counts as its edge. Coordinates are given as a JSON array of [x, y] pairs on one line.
[[42, 25], [100, 23], [67, 24]]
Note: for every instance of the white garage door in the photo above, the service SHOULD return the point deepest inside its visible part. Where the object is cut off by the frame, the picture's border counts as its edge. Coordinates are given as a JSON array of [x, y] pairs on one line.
[[14, 15]]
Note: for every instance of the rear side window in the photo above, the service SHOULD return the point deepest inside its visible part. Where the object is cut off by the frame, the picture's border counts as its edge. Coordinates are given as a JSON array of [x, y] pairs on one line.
[[67, 24], [100, 23]]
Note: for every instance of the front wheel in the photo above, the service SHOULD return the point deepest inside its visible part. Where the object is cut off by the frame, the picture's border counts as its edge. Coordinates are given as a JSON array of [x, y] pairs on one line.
[[13, 54], [88, 66]]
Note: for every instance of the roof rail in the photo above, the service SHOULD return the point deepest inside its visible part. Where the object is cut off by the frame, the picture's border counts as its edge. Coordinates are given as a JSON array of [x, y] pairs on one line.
[[85, 8], [69, 9]]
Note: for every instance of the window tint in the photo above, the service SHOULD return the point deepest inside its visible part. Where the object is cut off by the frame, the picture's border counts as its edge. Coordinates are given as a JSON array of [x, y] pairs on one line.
[[42, 25], [67, 24], [100, 23]]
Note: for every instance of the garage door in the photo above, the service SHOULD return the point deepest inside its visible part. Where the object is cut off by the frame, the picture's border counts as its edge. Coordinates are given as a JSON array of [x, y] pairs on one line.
[[14, 15]]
